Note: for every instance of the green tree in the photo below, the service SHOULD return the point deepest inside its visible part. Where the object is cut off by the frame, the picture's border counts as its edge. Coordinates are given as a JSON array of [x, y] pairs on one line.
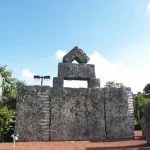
[[6, 122], [139, 102], [9, 85], [146, 89], [113, 84]]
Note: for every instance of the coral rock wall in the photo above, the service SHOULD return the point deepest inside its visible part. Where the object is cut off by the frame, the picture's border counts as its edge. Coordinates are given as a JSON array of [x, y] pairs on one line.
[[56, 113]]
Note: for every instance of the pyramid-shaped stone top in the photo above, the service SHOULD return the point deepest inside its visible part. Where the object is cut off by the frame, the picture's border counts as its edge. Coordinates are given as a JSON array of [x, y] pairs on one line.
[[76, 54]]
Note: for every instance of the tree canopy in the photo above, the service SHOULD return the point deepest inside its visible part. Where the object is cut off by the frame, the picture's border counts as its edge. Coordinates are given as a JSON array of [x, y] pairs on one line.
[[113, 84], [139, 102], [146, 89], [10, 84], [8, 102]]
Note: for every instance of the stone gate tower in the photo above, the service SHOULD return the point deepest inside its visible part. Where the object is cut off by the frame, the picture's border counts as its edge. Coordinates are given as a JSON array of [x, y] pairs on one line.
[[71, 71], [60, 113]]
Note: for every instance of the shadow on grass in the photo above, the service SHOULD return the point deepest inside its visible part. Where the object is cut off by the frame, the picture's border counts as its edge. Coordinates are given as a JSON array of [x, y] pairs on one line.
[[120, 140], [133, 147], [134, 138]]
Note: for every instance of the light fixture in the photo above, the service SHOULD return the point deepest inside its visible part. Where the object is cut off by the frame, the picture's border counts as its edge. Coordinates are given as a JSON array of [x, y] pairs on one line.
[[37, 77]]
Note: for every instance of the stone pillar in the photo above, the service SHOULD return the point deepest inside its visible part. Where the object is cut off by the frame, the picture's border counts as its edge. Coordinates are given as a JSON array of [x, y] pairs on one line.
[[119, 113], [58, 82]]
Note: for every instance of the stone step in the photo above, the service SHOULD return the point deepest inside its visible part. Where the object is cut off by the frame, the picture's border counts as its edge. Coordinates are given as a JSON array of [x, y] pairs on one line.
[[44, 123], [46, 105], [46, 109], [130, 109], [46, 102], [39, 96], [46, 131], [130, 106], [130, 98], [45, 137], [47, 114], [47, 118], [131, 117], [44, 120], [130, 120], [130, 103], [44, 99], [45, 92], [130, 114], [45, 127]]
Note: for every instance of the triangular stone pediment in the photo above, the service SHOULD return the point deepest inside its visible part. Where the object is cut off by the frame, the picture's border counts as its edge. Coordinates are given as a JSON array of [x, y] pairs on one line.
[[76, 54]]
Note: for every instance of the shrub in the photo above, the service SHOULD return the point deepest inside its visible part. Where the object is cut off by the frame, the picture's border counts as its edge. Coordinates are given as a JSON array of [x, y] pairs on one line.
[[6, 123]]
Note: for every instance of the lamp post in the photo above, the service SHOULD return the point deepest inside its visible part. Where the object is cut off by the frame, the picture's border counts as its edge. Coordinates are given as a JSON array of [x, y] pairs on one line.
[[37, 77], [15, 138]]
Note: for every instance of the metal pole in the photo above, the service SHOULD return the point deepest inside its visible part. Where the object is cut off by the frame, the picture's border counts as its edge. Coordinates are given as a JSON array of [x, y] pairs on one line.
[[14, 144], [41, 81]]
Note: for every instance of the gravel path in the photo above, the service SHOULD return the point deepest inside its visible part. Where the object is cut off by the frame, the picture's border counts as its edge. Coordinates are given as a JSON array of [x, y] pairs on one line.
[[136, 144]]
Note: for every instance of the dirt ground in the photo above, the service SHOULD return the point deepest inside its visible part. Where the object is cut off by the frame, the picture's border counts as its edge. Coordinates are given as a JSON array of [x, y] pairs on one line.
[[137, 144]]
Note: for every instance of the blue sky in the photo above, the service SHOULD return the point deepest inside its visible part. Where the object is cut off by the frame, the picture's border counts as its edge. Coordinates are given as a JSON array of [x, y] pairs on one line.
[[114, 33]]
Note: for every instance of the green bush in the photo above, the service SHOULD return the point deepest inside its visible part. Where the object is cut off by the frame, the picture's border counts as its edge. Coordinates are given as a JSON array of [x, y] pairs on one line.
[[6, 123]]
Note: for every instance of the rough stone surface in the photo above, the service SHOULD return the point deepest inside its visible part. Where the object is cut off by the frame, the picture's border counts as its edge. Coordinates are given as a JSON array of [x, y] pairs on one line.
[[118, 112], [33, 113], [76, 54], [94, 83], [143, 127], [77, 114], [58, 82], [76, 71], [57, 113], [146, 122]]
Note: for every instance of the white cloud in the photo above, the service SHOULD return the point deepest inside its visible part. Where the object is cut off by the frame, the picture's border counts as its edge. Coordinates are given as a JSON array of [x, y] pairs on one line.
[[27, 74], [114, 71], [60, 53], [105, 70], [148, 10]]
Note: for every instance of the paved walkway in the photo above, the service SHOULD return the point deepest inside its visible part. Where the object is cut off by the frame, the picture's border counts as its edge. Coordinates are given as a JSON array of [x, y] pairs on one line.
[[136, 144]]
